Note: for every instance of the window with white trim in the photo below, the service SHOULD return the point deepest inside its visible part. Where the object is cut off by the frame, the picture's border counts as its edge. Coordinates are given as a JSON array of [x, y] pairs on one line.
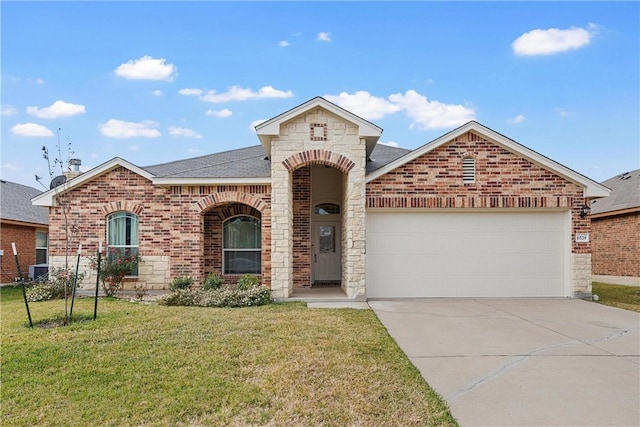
[[122, 234], [242, 245], [468, 170], [42, 247]]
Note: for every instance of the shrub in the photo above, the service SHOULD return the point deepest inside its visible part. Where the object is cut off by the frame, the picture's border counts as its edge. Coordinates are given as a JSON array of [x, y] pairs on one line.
[[114, 267], [182, 297], [248, 281], [212, 281], [183, 282], [54, 286], [223, 297]]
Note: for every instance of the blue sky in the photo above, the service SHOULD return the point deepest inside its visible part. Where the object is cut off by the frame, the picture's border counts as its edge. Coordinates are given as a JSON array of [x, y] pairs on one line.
[[153, 82]]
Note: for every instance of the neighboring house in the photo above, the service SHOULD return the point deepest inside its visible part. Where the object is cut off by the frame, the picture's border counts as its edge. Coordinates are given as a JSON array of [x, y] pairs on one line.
[[615, 227], [472, 213], [23, 224]]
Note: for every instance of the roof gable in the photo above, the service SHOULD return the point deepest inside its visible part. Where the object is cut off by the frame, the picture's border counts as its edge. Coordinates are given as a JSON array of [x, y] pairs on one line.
[[271, 128], [48, 198], [592, 189]]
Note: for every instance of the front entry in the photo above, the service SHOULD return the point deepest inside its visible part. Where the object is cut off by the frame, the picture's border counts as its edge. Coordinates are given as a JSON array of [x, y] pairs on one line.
[[326, 262]]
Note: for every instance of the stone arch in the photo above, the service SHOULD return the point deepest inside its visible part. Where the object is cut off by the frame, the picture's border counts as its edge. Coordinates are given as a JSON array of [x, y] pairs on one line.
[[228, 197], [318, 157], [122, 205]]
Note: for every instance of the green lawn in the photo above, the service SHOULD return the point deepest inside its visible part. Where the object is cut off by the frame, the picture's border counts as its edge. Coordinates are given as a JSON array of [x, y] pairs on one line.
[[274, 365], [627, 297]]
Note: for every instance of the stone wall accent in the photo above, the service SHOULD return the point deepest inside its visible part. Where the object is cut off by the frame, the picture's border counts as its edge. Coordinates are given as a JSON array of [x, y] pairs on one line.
[[581, 275], [504, 180], [616, 245], [294, 149]]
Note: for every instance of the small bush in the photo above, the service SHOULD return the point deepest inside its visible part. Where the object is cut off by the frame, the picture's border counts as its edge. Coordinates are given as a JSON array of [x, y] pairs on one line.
[[181, 297], [212, 281], [223, 297], [183, 282], [54, 286], [248, 281]]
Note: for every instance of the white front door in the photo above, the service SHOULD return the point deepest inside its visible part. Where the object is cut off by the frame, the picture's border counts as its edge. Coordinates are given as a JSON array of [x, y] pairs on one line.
[[326, 252]]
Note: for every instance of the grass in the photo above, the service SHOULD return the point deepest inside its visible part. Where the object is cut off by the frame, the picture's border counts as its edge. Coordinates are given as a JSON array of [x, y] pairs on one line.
[[137, 364], [627, 297]]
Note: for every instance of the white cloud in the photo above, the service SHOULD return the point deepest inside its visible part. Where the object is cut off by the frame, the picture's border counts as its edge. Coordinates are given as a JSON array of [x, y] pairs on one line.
[[193, 150], [39, 81], [219, 113], [323, 37], [147, 68], [255, 123], [517, 119], [562, 112], [236, 93], [363, 104], [283, 43], [156, 92], [431, 114], [186, 91], [122, 130], [8, 110], [185, 132], [426, 114], [134, 147], [390, 143], [57, 110], [30, 129], [10, 166], [553, 40]]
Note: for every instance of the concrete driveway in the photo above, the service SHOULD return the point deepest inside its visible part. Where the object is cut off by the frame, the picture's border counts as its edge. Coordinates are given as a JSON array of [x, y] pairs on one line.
[[523, 362]]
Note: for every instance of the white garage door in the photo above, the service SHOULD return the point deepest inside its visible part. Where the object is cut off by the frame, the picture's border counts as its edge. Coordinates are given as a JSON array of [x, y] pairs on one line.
[[466, 254]]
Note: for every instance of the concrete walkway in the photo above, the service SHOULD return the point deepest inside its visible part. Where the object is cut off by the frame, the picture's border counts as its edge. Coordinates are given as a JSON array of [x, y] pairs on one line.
[[523, 362]]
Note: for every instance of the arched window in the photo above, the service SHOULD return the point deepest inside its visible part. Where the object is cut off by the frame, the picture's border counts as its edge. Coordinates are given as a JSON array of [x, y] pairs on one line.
[[122, 234], [327, 209], [242, 245]]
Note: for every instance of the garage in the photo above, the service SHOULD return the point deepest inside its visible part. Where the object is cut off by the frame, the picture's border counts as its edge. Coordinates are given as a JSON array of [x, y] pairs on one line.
[[467, 253]]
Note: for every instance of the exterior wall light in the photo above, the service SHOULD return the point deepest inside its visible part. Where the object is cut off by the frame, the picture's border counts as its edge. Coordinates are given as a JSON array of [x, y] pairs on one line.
[[584, 211]]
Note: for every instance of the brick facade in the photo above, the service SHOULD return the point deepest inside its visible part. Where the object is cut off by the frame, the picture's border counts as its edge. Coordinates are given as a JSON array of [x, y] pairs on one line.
[[503, 181], [301, 182], [173, 238], [616, 245], [24, 237]]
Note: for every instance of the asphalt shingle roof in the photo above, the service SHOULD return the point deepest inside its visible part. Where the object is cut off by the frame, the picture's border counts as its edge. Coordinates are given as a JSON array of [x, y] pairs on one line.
[[625, 193], [247, 162], [15, 204], [250, 162]]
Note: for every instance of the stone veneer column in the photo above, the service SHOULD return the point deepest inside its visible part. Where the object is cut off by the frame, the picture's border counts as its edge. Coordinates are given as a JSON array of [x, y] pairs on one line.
[[353, 232], [281, 230], [581, 275]]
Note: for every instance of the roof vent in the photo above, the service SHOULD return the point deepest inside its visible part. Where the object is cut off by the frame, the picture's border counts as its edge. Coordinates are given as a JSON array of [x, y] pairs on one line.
[[74, 165]]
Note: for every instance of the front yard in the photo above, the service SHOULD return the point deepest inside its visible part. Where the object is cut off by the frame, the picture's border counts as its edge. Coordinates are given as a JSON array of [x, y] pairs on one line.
[[280, 364]]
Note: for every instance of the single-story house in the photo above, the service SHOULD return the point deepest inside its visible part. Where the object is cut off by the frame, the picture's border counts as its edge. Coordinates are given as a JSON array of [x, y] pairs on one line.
[[615, 227], [319, 201], [25, 225]]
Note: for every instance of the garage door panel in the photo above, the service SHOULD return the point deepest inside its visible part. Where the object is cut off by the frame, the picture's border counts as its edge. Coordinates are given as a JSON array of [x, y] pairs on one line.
[[418, 254]]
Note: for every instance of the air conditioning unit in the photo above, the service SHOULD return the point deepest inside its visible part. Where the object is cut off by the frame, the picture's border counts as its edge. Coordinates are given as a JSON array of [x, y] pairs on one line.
[[37, 271]]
